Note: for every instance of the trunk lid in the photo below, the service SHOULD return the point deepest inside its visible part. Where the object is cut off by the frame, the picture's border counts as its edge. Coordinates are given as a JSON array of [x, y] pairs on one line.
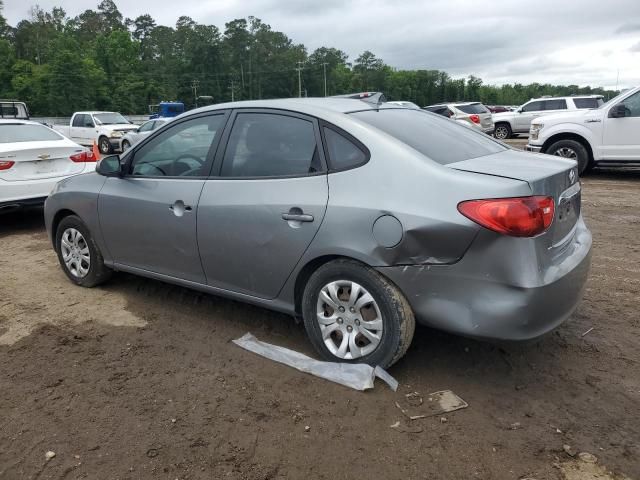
[[40, 160], [546, 175]]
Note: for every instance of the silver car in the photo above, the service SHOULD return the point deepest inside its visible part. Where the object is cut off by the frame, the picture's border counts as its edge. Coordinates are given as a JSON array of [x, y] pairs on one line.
[[143, 130], [359, 218], [469, 114]]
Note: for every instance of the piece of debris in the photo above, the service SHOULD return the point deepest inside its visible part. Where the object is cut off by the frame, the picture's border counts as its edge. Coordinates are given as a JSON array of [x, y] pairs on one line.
[[152, 452], [359, 376], [173, 420], [437, 403], [587, 457], [49, 455], [588, 331], [515, 426], [307, 428], [401, 427], [443, 420], [568, 450], [414, 399]]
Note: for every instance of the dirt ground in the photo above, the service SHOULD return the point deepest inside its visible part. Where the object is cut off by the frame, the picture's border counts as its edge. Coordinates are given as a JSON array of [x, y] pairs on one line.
[[139, 380]]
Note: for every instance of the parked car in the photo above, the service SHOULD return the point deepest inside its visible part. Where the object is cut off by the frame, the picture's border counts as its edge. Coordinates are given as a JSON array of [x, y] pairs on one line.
[[404, 103], [104, 128], [459, 233], [14, 109], [519, 121], [370, 97], [33, 158], [131, 138], [497, 108], [470, 114], [607, 136], [166, 110]]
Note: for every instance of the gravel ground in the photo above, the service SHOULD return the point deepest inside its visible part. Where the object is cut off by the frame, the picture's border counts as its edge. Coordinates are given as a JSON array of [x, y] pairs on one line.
[[138, 380]]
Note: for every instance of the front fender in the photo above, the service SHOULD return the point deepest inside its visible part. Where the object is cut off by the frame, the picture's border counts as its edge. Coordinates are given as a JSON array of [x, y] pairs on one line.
[[548, 133]]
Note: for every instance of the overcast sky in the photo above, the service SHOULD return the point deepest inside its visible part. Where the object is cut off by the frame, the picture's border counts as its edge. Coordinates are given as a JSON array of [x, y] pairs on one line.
[[582, 42]]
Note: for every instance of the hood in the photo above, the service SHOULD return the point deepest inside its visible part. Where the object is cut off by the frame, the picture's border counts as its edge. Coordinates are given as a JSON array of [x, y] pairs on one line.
[[119, 127], [497, 116], [579, 116]]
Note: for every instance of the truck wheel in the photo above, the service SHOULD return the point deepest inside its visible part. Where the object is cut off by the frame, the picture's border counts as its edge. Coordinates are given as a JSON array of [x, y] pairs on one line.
[[574, 150], [502, 131], [353, 314], [104, 145]]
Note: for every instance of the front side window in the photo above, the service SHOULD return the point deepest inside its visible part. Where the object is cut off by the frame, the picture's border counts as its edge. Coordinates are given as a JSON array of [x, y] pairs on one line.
[[181, 151], [78, 120], [271, 145], [632, 105], [343, 153], [533, 106], [555, 104]]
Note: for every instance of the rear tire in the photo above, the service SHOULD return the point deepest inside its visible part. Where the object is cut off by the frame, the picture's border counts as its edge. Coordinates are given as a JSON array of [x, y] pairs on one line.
[[377, 321], [104, 145], [502, 131], [574, 150], [79, 255]]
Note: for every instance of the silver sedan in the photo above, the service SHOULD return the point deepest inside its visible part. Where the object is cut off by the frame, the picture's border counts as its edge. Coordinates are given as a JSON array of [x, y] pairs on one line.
[[131, 138], [361, 219]]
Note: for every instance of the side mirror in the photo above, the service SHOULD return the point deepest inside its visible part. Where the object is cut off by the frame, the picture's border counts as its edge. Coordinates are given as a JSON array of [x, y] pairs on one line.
[[110, 166], [618, 111], [519, 110]]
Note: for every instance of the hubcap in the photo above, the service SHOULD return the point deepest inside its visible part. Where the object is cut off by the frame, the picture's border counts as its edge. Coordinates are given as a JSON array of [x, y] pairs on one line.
[[501, 132], [566, 152], [349, 319], [75, 252]]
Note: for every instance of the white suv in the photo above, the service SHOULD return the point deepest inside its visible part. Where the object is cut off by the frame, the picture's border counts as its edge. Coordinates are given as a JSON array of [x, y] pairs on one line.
[[606, 136], [510, 123]]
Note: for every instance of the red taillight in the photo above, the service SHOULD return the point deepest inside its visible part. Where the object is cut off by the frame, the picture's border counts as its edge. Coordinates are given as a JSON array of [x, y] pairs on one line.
[[83, 157], [474, 118], [518, 217], [6, 164]]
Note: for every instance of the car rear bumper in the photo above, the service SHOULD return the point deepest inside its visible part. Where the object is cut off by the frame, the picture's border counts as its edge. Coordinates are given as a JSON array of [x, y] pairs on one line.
[[465, 299], [26, 191]]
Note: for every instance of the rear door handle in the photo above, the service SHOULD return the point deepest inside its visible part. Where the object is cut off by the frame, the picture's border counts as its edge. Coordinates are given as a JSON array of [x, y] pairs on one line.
[[297, 217]]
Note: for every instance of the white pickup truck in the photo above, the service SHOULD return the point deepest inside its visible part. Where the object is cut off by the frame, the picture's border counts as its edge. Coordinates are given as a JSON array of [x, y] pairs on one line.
[[105, 128], [605, 136]]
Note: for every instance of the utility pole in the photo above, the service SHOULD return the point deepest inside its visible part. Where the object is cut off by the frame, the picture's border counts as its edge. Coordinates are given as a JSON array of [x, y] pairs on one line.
[[324, 69], [299, 69], [194, 86]]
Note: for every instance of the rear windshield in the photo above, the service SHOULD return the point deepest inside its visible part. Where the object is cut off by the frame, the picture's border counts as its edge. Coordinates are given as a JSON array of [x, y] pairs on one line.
[[442, 140], [588, 102], [473, 108], [21, 132]]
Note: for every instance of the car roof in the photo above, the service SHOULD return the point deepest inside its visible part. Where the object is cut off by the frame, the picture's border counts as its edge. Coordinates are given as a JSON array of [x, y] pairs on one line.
[[94, 112], [18, 120], [311, 106]]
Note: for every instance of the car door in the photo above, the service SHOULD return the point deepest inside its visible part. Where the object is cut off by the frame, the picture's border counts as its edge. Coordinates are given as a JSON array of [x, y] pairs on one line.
[[148, 216], [82, 129], [260, 212], [527, 113], [621, 136]]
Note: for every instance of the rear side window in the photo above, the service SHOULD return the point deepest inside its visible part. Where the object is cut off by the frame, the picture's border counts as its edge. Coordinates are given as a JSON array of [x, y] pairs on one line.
[[555, 104], [473, 108], [439, 139], [343, 153], [270, 145], [588, 102], [20, 132]]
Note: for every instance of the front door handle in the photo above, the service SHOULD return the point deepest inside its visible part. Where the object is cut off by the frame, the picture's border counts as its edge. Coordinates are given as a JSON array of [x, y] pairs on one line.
[[179, 208], [297, 217]]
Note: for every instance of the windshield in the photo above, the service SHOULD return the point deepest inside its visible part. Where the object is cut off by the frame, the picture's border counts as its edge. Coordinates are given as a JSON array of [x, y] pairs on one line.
[[110, 118], [616, 99], [26, 132], [440, 139]]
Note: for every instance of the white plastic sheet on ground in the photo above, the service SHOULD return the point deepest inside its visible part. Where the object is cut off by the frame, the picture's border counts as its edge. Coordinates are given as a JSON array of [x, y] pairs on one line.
[[354, 375]]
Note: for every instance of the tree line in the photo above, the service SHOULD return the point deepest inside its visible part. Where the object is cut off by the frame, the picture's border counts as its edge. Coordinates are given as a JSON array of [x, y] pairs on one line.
[[102, 60]]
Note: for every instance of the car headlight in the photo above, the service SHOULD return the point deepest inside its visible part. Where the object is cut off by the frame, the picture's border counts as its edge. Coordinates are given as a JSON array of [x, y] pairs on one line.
[[117, 134], [534, 131]]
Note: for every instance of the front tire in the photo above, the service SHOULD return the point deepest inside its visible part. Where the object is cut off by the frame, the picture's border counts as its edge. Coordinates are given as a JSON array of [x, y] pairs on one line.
[[125, 145], [503, 131], [78, 254], [574, 150], [104, 145], [353, 314]]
